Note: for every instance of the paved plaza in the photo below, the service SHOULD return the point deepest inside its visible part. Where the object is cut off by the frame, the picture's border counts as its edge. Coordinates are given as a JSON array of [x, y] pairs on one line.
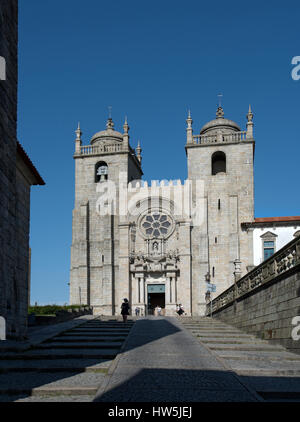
[[147, 359]]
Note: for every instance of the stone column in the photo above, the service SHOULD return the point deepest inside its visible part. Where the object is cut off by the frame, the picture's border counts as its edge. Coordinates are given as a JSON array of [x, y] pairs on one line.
[[143, 294], [173, 290], [167, 296], [135, 285], [170, 295], [122, 288]]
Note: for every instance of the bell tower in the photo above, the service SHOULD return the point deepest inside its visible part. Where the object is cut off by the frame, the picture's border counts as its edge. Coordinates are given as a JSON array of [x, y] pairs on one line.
[[99, 238], [222, 157]]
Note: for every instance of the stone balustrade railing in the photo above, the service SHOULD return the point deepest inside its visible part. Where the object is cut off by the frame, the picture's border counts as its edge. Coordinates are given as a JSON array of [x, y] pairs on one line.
[[219, 138], [103, 149], [282, 261], [100, 149]]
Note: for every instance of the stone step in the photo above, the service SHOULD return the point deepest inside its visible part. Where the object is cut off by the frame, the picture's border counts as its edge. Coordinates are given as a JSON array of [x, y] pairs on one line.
[[213, 327], [214, 322], [264, 367], [54, 398], [212, 332], [41, 383], [230, 340], [43, 365], [108, 327], [282, 387], [262, 355], [209, 327], [93, 330], [204, 324], [103, 327], [77, 338], [268, 373], [105, 324], [76, 369], [96, 334], [59, 353], [221, 336], [78, 345], [46, 391], [246, 347]]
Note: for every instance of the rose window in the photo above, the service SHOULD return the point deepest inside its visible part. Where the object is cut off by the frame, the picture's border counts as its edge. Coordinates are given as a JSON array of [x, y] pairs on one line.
[[156, 225]]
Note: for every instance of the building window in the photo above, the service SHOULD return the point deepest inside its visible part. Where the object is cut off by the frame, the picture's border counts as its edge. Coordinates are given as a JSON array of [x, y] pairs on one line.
[[213, 271], [268, 249], [156, 225], [218, 163], [268, 244], [219, 204], [101, 172]]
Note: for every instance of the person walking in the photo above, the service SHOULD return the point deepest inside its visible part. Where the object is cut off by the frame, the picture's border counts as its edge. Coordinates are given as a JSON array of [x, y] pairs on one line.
[[125, 309], [137, 311], [159, 311], [180, 310]]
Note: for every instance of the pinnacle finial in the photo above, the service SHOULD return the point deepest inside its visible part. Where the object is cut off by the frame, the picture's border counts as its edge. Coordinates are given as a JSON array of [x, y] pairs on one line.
[[110, 124], [138, 151], [125, 126], [78, 133], [220, 113], [189, 120], [249, 114], [189, 128], [249, 123]]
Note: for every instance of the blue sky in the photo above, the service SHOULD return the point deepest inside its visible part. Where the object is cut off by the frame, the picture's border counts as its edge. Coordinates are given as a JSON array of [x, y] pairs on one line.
[[151, 61]]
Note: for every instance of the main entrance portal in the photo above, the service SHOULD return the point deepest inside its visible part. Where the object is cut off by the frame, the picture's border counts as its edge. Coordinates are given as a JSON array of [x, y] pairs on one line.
[[156, 297]]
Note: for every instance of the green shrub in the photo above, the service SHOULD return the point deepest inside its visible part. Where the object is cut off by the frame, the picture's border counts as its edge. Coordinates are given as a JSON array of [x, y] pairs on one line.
[[50, 309]]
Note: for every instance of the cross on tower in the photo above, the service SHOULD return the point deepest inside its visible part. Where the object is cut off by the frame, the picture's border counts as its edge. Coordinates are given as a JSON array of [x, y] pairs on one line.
[[220, 99]]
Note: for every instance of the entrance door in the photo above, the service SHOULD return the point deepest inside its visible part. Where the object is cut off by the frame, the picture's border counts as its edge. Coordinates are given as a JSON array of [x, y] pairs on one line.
[[156, 297]]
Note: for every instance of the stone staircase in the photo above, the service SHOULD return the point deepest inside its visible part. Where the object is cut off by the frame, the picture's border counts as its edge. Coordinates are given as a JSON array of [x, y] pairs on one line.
[[270, 370], [67, 367]]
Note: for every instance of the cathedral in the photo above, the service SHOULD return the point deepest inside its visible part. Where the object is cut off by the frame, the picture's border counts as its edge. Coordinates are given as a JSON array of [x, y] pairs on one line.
[[159, 243]]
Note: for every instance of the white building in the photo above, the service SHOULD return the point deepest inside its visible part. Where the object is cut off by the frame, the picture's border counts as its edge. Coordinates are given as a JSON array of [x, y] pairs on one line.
[[270, 234]]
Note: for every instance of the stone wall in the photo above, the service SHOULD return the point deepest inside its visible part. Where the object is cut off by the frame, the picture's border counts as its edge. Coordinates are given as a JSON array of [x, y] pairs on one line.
[[8, 128], [268, 309], [23, 184]]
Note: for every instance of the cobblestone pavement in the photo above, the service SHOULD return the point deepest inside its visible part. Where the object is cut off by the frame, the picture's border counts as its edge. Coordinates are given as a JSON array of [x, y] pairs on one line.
[[270, 370], [62, 363], [163, 362]]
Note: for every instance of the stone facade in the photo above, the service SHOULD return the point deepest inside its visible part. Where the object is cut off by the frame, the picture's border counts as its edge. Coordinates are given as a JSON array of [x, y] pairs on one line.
[[8, 145], [172, 237], [17, 174]]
